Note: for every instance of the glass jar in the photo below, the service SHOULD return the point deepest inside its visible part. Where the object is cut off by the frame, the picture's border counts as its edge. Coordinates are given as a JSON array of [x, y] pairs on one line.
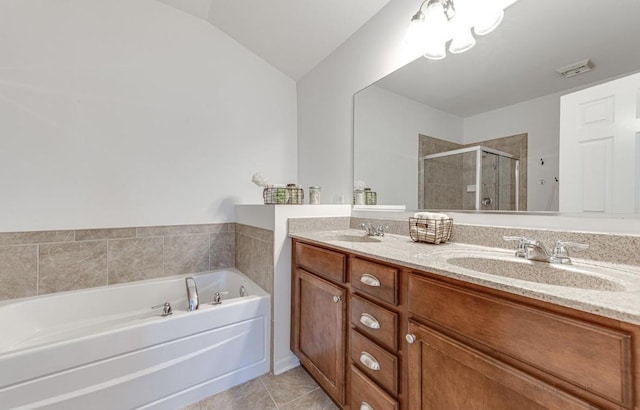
[[358, 196], [314, 195], [370, 197]]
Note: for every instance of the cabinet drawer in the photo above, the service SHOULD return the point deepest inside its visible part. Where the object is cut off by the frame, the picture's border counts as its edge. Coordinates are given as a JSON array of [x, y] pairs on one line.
[[374, 321], [590, 356], [365, 393], [380, 365], [374, 279], [323, 262]]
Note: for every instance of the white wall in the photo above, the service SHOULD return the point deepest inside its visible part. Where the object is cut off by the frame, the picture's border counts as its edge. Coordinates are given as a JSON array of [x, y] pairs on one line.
[[386, 147], [540, 118], [130, 113], [325, 97]]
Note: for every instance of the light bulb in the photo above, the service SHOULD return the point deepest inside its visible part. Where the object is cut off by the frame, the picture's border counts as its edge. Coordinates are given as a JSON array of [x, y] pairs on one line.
[[488, 19], [462, 41], [435, 49], [417, 30]]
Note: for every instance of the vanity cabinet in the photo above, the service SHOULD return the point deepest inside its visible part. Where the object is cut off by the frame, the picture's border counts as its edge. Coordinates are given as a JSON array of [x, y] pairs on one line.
[[503, 351], [374, 348], [319, 317], [397, 338]]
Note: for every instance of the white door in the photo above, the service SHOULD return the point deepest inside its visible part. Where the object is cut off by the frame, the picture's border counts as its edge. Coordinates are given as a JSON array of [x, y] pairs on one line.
[[600, 148]]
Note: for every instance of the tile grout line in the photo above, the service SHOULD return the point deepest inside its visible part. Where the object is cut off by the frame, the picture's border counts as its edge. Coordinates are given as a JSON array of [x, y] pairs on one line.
[[268, 392], [302, 396], [37, 269]]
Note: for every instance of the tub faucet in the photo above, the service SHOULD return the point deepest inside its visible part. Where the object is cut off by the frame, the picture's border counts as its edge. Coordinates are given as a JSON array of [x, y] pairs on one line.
[[166, 309], [217, 297], [192, 293]]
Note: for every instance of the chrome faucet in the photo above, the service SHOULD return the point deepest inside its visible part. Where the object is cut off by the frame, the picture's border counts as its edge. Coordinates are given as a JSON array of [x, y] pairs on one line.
[[533, 249], [166, 308], [374, 230], [192, 293], [561, 254]]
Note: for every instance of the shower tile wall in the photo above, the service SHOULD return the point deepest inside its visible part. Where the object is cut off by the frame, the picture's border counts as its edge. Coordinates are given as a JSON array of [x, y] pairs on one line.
[[40, 262], [445, 182], [442, 176]]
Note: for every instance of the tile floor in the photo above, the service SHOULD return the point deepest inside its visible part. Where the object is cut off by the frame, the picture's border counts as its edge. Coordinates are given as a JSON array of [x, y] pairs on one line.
[[292, 390]]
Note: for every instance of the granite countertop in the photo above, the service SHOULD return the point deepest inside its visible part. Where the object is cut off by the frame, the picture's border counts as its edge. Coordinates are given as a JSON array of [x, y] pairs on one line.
[[605, 289]]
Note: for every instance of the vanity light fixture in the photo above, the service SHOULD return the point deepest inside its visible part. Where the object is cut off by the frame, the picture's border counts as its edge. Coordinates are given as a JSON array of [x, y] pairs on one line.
[[445, 20]]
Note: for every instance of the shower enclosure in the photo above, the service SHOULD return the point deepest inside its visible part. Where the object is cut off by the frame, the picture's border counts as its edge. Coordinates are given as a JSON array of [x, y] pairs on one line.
[[473, 178]]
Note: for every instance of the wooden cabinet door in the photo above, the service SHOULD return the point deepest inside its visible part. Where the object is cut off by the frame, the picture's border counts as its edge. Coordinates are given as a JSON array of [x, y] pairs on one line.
[[446, 374], [319, 331]]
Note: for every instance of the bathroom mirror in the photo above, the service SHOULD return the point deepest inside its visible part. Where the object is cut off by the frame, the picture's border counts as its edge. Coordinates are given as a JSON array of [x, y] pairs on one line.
[[505, 86]]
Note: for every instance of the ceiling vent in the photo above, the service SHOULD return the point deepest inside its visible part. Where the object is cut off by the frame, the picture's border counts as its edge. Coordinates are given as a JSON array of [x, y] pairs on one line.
[[575, 68]]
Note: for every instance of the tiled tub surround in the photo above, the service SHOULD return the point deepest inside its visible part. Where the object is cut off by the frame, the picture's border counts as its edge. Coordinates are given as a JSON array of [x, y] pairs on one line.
[[398, 248], [40, 262], [254, 255]]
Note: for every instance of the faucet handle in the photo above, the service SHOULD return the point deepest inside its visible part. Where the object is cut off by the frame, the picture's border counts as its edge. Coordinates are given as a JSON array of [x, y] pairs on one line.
[[381, 229], [560, 248], [521, 252], [166, 308]]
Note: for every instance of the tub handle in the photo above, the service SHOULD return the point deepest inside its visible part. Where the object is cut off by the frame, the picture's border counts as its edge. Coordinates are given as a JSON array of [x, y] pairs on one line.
[[166, 308], [216, 297]]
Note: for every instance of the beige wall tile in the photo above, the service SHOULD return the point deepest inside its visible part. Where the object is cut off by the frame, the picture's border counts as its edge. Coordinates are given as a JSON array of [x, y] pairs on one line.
[[135, 259], [254, 258], [186, 254], [252, 231], [72, 265], [18, 271], [18, 238], [184, 229], [110, 233], [222, 250]]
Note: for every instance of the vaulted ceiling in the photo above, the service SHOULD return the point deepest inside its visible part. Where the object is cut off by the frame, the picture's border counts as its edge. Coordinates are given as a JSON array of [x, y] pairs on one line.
[[292, 35]]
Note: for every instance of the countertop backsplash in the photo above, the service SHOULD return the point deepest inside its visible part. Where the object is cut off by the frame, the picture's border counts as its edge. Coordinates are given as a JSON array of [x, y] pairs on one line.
[[612, 248]]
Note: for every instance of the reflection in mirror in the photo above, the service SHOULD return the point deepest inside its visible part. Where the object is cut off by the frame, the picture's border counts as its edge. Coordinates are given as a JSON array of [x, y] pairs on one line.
[[506, 86]]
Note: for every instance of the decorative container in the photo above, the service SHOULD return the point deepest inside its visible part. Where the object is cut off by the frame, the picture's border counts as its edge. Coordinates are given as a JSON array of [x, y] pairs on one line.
[[314, 195], [289, 195], [370, 197], [430, 230]]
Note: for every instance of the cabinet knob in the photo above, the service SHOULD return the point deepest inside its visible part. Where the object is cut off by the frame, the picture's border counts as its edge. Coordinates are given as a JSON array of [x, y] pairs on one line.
[[369, 361], [369, 321], [336, 299], [370, 280], [410, 338], [365, 406]]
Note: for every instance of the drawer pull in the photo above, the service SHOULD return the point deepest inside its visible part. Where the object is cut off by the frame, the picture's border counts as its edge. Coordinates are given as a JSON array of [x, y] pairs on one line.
[[369, 321], [370, 280], [410, 338], [365, 406], [369, 361], [336, 299]]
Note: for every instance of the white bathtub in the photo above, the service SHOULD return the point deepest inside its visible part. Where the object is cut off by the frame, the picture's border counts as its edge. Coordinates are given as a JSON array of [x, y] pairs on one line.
[[104, 348]]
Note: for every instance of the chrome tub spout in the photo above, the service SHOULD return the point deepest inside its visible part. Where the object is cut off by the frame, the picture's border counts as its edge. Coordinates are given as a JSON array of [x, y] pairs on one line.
[[192, 294]]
